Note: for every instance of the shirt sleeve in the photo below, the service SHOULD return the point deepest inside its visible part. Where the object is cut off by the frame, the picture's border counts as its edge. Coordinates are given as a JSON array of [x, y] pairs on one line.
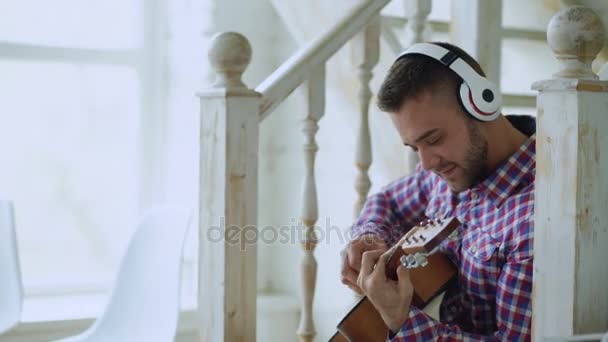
[[396, 208], [513, 304]]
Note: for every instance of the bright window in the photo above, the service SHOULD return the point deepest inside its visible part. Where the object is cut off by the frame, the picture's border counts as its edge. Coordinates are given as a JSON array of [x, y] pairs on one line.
[[108, 24], [80, 139]]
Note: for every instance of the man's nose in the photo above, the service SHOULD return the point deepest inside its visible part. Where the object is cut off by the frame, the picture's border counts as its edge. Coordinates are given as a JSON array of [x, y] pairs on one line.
[[428, 160]]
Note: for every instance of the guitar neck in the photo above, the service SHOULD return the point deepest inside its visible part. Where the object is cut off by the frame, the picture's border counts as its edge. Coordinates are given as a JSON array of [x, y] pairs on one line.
[[423, 239], [393, 263]]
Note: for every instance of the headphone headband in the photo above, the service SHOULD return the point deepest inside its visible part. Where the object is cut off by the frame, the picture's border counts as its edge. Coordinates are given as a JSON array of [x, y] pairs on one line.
[[480, 97]]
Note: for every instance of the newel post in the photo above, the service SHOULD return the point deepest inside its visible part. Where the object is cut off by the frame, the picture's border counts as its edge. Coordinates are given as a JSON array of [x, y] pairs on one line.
[[228, 196], [570, 293]]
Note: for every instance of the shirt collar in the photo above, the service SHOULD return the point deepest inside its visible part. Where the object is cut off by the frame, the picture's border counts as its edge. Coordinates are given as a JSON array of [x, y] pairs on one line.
[[513, 174]]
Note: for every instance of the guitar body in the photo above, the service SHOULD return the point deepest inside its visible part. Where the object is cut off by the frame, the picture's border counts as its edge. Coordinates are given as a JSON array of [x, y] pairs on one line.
[[363, 323]]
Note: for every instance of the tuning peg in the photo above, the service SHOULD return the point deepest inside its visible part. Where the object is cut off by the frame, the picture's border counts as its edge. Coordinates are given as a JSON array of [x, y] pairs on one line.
[[421, 260], [411, 260], [408, 261], [403, 261]]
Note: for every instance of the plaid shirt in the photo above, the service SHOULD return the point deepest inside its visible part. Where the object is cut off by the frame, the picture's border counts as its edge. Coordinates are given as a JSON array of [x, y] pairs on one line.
[[491, 301]]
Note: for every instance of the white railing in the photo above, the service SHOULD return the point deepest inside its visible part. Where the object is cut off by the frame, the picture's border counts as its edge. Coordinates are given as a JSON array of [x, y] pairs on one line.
[[230, 117], [297, 69]]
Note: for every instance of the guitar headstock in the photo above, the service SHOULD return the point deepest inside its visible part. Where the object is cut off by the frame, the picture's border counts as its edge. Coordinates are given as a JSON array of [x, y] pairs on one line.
[[424, 237], [419, 243]]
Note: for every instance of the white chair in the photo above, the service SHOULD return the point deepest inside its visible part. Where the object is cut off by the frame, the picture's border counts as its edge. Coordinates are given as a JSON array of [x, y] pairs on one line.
[[144, 303], [11, 288]]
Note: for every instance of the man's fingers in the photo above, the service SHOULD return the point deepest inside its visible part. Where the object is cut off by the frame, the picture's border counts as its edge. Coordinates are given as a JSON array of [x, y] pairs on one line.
[[403, 277], [381, 245], [348, 273], [362, 244], [353, 256], [368, 261], [353, 287], [381, 264]]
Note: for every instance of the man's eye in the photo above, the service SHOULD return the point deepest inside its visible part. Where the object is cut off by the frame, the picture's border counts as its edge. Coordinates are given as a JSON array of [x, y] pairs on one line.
[[433, 141], [415, 149]]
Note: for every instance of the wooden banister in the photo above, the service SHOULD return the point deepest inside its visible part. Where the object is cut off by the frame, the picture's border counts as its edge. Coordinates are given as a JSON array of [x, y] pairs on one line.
[[297, 69]]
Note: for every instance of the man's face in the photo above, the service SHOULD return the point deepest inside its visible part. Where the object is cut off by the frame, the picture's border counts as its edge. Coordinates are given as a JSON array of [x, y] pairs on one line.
[[447, 142]]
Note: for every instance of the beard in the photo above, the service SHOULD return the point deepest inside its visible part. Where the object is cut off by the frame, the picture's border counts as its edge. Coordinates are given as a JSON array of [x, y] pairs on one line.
[[474, 166]]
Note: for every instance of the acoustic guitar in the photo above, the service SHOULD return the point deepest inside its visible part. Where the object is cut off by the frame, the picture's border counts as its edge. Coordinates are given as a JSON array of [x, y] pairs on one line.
[[430, 273]]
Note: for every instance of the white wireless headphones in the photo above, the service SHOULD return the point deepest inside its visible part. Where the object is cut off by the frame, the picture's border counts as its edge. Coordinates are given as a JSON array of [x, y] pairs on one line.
[[478, 95]]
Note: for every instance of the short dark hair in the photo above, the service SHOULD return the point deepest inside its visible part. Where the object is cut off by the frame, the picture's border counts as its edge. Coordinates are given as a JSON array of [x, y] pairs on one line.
[[413, 74]]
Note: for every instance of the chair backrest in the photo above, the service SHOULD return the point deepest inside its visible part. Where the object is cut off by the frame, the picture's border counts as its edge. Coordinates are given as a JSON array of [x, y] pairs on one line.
[[144, 304], [11, 288]]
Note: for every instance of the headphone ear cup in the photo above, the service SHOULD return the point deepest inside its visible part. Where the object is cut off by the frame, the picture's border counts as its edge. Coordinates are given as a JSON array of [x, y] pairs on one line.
[[463, 96], [471, 101]]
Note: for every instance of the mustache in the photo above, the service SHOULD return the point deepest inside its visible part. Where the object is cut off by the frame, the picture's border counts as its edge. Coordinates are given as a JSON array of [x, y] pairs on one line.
[[444, 167]]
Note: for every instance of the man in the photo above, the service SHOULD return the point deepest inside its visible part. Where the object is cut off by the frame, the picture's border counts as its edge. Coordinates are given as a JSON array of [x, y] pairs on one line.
[[475, 168]]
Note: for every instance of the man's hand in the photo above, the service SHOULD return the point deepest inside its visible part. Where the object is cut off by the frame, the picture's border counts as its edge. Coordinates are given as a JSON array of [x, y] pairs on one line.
[[351, 258], [391, 298]]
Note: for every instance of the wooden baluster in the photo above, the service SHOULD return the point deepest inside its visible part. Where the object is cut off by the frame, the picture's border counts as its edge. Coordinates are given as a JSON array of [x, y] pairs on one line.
[[476, 27], [366, 49], [315, 97], [416, 31], [416, 28], [228, 197], [570, 235]]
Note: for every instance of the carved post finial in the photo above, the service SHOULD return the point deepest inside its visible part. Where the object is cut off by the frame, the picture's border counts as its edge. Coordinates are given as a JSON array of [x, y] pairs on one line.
[[230, 54], [576, 36]]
